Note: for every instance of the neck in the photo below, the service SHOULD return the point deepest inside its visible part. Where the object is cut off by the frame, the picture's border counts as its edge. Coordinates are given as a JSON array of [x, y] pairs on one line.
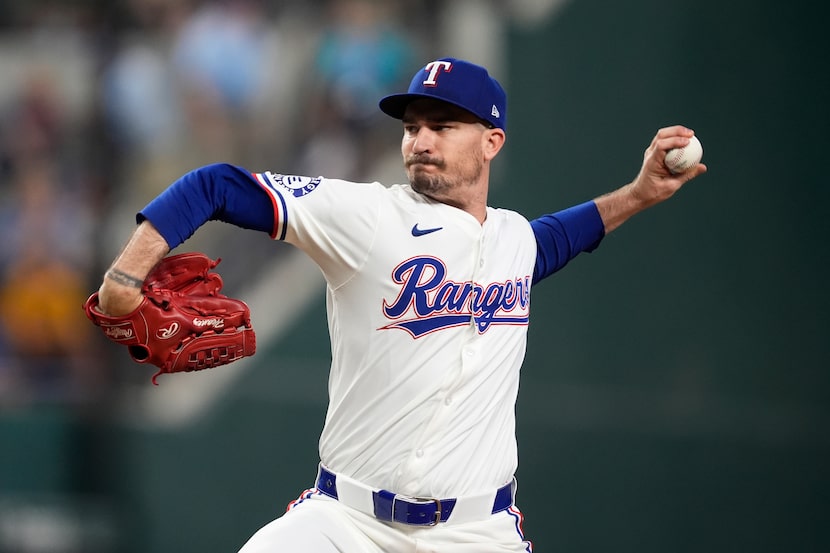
[[474, 202]]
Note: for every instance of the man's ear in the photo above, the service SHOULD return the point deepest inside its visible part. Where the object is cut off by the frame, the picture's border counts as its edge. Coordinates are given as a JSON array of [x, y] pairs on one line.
[[492, 142]]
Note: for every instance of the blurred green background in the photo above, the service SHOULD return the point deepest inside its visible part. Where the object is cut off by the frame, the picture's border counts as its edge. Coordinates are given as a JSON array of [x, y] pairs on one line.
[[675, 393]]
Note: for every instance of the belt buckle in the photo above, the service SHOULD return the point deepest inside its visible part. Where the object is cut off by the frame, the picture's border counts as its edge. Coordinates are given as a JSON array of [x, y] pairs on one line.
[[437, 516]]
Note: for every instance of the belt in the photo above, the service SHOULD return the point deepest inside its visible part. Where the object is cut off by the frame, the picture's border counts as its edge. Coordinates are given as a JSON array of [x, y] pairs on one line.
[[391, 507]]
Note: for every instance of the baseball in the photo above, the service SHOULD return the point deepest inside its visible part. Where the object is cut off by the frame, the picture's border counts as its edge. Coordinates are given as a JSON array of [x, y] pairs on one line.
[[680, 160]]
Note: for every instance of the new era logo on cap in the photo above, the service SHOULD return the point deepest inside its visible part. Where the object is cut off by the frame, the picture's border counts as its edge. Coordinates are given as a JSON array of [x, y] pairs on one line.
[[458, 82]]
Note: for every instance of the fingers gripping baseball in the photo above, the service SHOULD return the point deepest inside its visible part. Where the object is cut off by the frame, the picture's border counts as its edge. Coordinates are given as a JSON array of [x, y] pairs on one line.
[[188, 327], [670, 161]]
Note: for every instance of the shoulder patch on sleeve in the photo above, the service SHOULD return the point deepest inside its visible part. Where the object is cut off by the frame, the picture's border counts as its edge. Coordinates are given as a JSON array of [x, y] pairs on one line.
[[297, 185]]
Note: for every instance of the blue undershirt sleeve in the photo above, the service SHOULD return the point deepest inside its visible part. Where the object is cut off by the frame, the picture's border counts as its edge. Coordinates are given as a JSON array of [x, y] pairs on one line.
[[563, 235], [220, 192]]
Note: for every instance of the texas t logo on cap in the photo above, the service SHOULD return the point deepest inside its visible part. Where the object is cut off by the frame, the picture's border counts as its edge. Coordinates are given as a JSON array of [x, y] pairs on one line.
[[461, 83], [433, 68]]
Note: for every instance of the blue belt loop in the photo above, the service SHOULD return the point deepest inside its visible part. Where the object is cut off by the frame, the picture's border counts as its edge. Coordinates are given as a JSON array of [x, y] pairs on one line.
[[327, 483], [504, 497]]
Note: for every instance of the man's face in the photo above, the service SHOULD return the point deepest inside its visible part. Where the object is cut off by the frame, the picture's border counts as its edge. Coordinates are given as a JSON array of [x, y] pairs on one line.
[[442, 148]]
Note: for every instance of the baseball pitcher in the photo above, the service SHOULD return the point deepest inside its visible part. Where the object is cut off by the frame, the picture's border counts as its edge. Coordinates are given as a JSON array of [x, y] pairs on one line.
[[428, 302]]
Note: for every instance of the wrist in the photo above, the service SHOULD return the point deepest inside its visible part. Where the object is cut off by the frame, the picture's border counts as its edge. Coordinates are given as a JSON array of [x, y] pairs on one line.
[[638, 200], [115, 299], [618, 206]]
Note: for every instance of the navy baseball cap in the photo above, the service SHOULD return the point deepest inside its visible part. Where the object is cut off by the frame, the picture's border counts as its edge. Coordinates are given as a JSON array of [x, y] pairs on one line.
[[461, 83]]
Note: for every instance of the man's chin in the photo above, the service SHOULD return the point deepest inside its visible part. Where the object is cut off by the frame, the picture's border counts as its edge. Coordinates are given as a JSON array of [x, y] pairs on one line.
[[428, 186], [419, 183]]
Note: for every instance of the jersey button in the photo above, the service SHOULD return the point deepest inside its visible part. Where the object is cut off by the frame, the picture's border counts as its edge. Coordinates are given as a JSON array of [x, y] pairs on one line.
[[419, 453], [448, 401]]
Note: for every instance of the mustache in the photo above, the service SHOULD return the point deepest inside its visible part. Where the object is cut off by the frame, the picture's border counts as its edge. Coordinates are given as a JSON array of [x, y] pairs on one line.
[[423, 159]]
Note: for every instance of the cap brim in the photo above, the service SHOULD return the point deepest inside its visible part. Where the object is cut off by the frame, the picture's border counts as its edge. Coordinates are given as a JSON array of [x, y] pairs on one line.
[[395, 105]]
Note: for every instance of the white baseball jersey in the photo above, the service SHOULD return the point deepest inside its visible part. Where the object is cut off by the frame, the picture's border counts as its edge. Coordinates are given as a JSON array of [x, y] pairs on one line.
[[427, 312]]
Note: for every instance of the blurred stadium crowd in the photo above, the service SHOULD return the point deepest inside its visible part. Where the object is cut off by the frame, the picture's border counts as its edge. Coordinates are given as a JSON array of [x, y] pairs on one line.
[[103, 103]]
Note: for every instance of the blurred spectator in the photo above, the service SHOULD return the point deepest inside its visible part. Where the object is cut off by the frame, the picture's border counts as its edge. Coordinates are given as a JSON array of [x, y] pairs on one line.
[[139, 101], [42, 188], [42, 286], [33, 126], [223, 57], [220, 50], [194, 84], [361, 56], [46, 254]]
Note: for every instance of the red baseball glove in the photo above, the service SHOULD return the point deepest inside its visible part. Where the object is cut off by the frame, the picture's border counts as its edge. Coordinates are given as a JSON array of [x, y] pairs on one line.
[[183, 323]]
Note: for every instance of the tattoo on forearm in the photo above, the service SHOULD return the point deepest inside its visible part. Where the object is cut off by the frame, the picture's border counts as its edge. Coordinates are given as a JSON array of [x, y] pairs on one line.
[[123, 278]]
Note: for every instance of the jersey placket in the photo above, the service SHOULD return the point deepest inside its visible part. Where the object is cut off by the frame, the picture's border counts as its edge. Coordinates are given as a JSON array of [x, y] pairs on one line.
[[443, 413]]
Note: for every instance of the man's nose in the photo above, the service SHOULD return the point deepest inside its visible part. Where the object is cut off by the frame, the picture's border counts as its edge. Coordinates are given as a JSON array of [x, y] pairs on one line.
[[424, 141]]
